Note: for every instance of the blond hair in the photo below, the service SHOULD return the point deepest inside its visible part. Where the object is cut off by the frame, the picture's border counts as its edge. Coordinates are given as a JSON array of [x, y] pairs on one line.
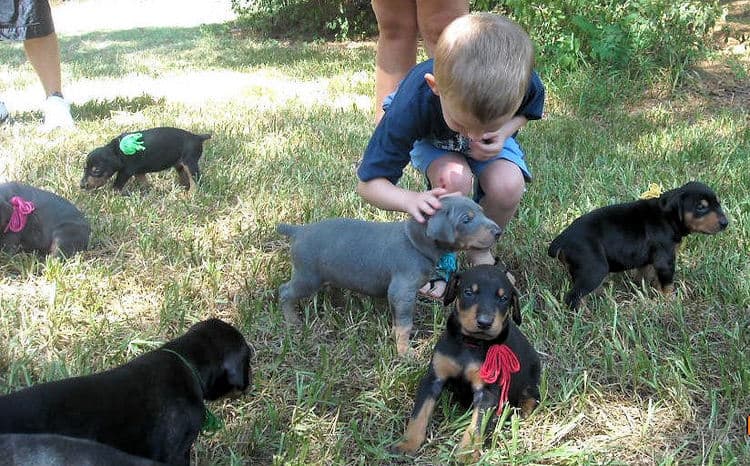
[[483, 64]]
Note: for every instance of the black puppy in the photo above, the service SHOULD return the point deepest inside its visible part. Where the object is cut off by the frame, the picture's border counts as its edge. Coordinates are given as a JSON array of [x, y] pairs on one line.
[[640, 234], [478, 327], [141, 152], [35, 220], [150, 407], [58, 450]]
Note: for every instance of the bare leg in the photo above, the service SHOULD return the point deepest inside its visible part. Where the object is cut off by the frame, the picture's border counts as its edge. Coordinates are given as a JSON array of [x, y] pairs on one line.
[[434, 15], [396, 51], [44, 56]]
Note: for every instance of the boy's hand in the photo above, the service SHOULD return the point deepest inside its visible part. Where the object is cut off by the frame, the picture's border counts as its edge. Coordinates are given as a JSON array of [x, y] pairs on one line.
[[491, 143], [489, 146], [419, 204]]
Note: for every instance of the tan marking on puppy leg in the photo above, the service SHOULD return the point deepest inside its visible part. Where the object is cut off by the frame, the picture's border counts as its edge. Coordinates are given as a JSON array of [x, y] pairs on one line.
[[142, 180], [445, 367], [471, 373], [471, 441], [401, 334], [417, 428], [54, 248], [527, 406], [185, 178], [647, 274], [668, 291]]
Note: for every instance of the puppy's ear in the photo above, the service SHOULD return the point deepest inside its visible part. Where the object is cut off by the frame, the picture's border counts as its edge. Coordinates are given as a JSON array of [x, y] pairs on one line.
[[515, 301], [237, 370], [671, 202], [450, 289], [439, 227]]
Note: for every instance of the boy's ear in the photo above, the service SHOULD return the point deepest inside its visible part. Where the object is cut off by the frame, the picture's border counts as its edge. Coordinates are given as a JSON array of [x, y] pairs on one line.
[[429, 78]]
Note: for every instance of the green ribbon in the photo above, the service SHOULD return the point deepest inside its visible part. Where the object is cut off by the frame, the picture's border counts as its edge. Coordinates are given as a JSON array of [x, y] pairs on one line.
[[132, 143], [211, 422]]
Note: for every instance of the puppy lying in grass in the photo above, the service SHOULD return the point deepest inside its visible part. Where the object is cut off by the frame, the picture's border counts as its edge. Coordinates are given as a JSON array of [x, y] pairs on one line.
[[482, 357], [392, 259], [643, 234], [146, 151], [150, 407], [35, 220], [58, 450]]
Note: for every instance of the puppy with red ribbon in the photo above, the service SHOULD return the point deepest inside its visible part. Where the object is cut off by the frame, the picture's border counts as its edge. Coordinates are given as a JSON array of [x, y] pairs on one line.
[[35, 220], [482, 357]]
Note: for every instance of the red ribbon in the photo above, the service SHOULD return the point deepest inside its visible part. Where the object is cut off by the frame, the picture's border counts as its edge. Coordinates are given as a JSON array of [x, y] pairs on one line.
[[21, 209], [498, 365]]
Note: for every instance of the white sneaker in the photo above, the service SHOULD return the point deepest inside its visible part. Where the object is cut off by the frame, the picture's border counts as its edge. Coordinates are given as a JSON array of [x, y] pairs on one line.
[[3, 112], [56, 113]]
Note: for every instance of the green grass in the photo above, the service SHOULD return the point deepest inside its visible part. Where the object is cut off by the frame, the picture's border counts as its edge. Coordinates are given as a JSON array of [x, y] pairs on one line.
[[629, 379]]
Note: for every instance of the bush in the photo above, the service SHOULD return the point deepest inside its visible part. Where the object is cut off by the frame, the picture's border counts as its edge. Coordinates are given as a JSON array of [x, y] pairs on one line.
[[309, 19], [622, 34]]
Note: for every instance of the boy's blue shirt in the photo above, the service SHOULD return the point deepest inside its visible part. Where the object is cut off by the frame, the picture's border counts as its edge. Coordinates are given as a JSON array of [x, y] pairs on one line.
[[415, 113]]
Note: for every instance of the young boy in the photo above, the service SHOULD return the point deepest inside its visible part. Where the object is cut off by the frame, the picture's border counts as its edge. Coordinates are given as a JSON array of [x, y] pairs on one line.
[[455, 117]]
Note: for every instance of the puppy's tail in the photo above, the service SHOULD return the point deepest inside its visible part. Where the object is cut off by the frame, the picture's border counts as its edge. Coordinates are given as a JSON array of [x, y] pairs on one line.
[[287, 229], [203, 137]]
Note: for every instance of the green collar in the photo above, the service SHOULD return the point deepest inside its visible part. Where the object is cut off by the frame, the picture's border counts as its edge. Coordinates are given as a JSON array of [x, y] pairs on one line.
[[211, 422]]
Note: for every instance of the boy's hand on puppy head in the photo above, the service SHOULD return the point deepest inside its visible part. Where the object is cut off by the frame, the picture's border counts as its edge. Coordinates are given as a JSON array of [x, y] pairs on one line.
[[419, 204]]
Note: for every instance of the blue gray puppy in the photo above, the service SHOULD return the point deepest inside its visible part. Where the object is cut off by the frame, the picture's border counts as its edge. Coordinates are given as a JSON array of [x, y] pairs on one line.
[[382, 259]]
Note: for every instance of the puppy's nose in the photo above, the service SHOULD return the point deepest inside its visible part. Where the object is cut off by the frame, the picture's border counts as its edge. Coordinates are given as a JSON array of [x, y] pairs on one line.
[[484, 322], [496, 230], [83, 183], [723, 222]]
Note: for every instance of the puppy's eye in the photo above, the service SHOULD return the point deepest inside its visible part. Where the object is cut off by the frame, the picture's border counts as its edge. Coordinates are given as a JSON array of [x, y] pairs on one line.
[[701, 208], [95, 171], [502, 298], [466, 219], [468, 292]]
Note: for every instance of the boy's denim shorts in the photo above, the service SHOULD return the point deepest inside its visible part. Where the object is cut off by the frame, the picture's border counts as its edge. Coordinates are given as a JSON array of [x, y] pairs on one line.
[[423, 153]]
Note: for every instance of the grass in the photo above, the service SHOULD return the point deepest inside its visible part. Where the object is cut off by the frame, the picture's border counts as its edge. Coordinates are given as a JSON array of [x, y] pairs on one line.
[[629, 379]]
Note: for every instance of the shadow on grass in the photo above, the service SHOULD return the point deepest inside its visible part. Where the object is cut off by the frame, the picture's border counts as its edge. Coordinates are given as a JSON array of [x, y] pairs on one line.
[[102, 108], [115, 53]]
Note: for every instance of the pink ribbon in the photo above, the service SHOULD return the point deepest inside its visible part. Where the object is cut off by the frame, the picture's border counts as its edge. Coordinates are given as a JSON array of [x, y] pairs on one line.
[[21, 210]]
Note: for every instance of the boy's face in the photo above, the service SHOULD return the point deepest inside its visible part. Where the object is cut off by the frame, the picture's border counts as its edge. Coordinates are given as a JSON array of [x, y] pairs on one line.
[[462, 121], [467, 124]]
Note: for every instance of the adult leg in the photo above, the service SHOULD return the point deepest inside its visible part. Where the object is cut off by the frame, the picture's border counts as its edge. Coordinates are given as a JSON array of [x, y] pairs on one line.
[[434, 15], [44, 56], [396, 51]]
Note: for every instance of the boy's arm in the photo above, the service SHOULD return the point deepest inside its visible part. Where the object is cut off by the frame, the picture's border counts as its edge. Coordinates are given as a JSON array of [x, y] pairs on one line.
[[385, 195]]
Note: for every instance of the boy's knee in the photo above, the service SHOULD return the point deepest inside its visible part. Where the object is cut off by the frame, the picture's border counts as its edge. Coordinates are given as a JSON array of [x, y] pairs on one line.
[[454, 181], [506, 194]]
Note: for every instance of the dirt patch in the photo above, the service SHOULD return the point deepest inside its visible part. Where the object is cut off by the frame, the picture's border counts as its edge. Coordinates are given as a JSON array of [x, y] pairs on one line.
[[725, 79]]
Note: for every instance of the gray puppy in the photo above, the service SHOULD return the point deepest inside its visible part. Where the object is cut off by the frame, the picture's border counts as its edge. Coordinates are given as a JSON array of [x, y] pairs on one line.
[[35, 220], [380, 259], [59, 450]]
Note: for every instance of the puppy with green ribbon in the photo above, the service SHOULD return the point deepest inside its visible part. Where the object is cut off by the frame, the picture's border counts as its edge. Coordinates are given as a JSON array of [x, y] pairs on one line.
[[133, 154]]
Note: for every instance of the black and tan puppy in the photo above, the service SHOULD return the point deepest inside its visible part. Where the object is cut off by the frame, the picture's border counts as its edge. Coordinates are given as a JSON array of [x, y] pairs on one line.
[[140, 152], [479, 330], [634, 235], [35, 220], [150, 407], [392, 259]]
